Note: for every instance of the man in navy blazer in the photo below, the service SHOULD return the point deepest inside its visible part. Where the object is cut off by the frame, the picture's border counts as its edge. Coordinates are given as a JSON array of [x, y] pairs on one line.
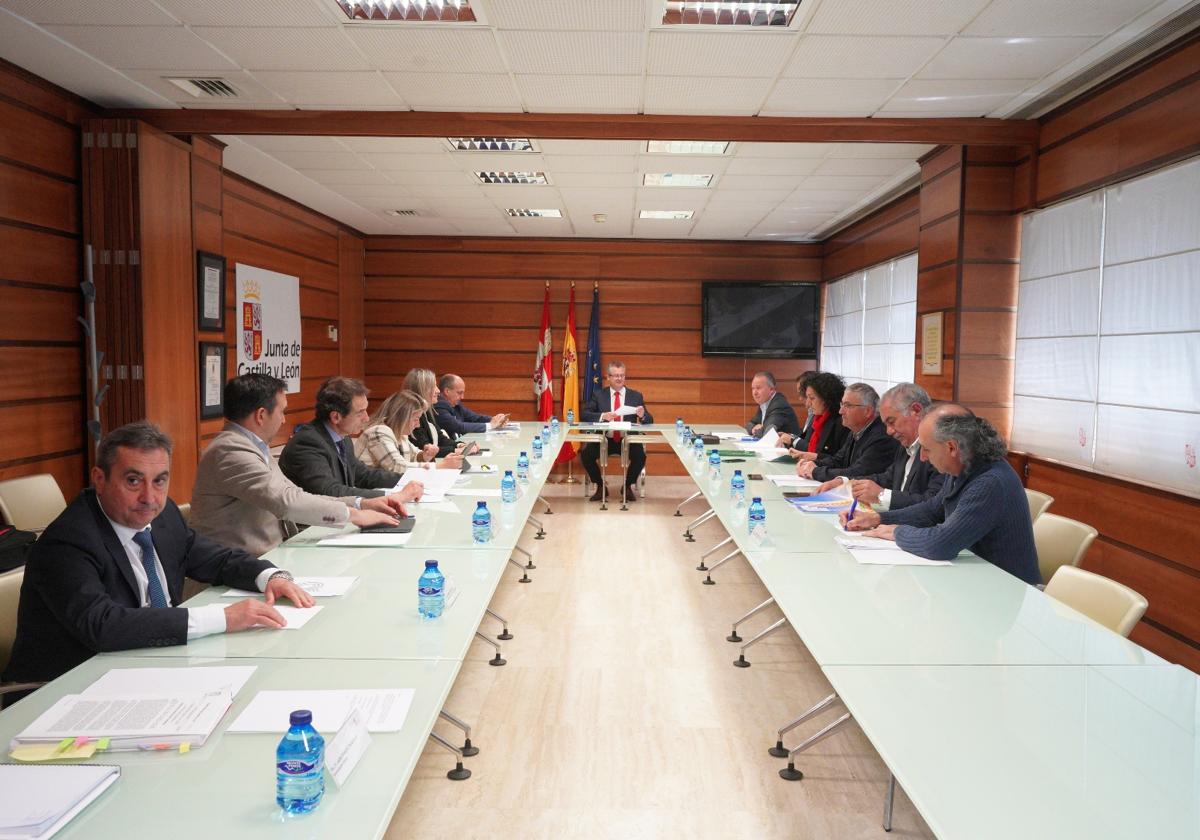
[[601, 408], [454, 416], [107, 574]]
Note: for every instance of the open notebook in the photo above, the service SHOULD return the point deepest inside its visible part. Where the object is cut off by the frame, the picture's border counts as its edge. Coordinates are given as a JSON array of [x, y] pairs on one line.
[[36, 800]]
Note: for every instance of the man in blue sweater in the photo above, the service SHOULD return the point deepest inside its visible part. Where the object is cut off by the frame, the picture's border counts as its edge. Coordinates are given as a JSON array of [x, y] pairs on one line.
[[981, 506]]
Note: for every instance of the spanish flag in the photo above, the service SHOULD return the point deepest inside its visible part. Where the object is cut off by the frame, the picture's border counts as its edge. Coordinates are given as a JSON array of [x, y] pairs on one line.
[[570, 369]]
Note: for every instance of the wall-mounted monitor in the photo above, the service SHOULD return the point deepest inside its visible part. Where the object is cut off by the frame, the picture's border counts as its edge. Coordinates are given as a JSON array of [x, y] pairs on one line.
[[771, 320]]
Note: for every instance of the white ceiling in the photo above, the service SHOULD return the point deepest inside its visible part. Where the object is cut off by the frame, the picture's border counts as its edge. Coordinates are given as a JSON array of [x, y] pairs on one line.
[[858, 58]]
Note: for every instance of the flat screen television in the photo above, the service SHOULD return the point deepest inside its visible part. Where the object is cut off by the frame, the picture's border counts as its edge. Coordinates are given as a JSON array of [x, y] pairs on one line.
[[771, 320]]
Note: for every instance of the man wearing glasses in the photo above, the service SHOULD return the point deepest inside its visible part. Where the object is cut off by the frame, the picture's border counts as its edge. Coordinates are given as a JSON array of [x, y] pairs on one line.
[[868, 450]]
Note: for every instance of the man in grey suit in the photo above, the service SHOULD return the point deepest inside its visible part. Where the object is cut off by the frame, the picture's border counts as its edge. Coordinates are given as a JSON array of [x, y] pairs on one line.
[[242, 499]]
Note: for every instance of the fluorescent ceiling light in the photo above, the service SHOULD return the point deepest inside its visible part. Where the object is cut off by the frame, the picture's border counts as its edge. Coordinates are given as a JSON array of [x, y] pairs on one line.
[[687, 147], [490, 144], [675, 179], [526, 213], [430, 11], [512, 177], [668, 215], [729, 12]]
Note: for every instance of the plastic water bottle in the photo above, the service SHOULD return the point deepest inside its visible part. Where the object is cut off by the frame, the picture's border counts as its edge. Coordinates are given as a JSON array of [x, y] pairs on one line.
[[523, 468], [554, 428], [431, 591], [570, 417], [545, 435], [714, 464], [737, 488], [758, 517], [481, 524], [698, 449], [678, 428], [300, 766], [508, 488], [687, 436], [537, 448]]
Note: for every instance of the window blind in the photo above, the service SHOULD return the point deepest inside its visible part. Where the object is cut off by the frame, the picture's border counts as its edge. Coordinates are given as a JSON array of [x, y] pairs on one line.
[[870, 324]]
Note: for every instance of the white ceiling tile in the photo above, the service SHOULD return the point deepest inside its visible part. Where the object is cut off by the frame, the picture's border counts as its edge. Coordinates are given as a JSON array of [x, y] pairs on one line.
[[469, 210], [393, 202], [596, 179], [417, 226], [338, 177], [378, 190], [765, 199], [591, 147], [295, 143], [414, 178], [704, 95], [905, 151], [585, 202], [542, 227], [606, 15], [740, 54], [782, 150], [395, 145], [792, 205], [849, 183], [483, 227], [436, 189], [951, 97], [429, 49], [250, 90], [1002, 58], [440, 161], [662, 228], [576, 163], [258, 13], [845, 96], [1060, 17], [881, 167], [331, 89], [707, 164], [597, 94], [91, 12], [811, 197], [497, 162], [280, 48], [772, 166], [522, 195], [143, 47], [450, 91], [609, 53], [894, 17], [761, 182], [665, 198], [321, 160], [858, 57]]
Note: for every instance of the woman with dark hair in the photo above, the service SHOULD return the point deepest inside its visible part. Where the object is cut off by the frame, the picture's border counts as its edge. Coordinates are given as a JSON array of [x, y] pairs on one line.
[[802, 396], [824, 394]]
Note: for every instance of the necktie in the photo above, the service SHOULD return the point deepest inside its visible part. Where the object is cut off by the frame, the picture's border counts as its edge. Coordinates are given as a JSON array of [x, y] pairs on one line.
[[616, 405], [154, 590], [345, 459]]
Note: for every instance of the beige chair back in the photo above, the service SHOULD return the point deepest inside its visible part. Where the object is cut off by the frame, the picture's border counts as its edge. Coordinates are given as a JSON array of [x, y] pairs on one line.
[[31, 502], [1038, 502], [185, 510], [1060, 542], [1104, 601], [10, 596]]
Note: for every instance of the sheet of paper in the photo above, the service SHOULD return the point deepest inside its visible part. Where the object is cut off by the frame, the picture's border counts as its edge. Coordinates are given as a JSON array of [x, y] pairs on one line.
[[862, 543], [626, 410], [361, 540], [318, 587], [435, 482], [382, 709], [196, 680], [893, 557], [343, 751], [479, 492], [37, 801], [769, 440], [443, 506], [296, 617], [615, 425], [770, 454], [739, 436], [152, 717], [791, 480]]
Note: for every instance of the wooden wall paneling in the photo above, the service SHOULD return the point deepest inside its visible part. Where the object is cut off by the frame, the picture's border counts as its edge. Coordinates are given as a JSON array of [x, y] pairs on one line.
[[48, 426], [38, 199], [939, 261], [267, 225], [351, 314]]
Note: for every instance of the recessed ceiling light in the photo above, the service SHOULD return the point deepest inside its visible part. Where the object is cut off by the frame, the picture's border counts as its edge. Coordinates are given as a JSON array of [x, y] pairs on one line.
[[687, 147], [729, 12], [675, 179], [526, 213], [512, 177], [431, 11], [668, 215], [490, 144]]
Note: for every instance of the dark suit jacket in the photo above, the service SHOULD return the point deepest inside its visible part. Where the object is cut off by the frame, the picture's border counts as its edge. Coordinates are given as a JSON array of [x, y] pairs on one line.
[[80, 597], [869, 453], [833, 436], [310, 459], [459, 420], [780, 416], [924, 482], [422, 435], [601, 402]]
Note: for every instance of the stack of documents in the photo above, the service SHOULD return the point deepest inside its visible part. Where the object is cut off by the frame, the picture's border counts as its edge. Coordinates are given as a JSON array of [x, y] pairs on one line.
[[792, 482], [831, 501], [435, 482], [37, 800], [873, 551], [769, 440]]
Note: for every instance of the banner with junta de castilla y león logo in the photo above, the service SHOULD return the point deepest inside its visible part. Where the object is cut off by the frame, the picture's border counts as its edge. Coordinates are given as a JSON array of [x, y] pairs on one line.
[[268, 318]]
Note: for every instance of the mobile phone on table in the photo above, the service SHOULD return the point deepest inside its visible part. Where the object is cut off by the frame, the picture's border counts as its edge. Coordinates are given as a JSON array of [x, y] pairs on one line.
[[754, 477]]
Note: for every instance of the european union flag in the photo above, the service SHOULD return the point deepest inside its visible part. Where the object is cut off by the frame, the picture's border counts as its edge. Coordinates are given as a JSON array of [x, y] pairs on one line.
[[592, 381]]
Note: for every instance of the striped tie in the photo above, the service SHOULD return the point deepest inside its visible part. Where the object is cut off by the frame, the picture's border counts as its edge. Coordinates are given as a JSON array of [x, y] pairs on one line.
[[154, 590]]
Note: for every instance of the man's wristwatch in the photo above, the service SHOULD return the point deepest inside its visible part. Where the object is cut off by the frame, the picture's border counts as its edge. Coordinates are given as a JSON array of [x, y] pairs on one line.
[[358, 502], [282, 575]]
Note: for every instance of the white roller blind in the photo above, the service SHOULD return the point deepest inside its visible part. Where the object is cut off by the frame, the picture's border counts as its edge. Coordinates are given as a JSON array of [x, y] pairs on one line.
[[870, 324], [1108, 331]]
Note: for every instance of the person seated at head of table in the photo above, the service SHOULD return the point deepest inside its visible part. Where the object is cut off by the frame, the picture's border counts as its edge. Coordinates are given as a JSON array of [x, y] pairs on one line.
[[603, 407], [801, 440], [867, 450], [827, 434], [909, 478], [774, 411], [429, 432], [981, 507], [241, 498], [320, 455], [385, 442], [107, 574], [454, 416]]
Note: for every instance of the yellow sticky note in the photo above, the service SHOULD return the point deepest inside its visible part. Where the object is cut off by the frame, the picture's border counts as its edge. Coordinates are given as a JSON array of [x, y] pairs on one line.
[[102, 744], [52, 752], [185, 748]]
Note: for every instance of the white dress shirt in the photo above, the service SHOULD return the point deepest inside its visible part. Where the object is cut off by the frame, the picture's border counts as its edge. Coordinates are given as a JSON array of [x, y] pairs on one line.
[[612, 404], [914, 452], [202, 621]]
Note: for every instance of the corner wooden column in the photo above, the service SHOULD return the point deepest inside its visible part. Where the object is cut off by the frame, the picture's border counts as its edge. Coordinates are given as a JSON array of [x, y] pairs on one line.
[[968, 263]]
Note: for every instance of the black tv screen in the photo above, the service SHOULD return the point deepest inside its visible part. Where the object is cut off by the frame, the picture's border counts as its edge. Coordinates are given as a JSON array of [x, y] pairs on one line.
[[775, 320]]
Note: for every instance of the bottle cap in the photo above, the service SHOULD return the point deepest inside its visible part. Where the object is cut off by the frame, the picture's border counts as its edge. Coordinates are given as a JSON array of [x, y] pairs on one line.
[[523, 453], [737, 472], [481, 504], [430, 564], [758, 499], [301, 717]]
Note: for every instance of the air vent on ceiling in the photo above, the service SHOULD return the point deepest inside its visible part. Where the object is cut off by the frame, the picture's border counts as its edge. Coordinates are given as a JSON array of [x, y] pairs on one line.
[[404, 214], [205, 87]]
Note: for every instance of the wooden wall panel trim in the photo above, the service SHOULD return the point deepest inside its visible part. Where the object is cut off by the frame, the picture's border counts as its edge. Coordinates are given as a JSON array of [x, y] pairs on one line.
[[940, 198], [1167, 646], [990, 188], [991, 238], [1173, 594], [940, 161], [875, 221], [279, 204], [33, 256], [266, 225], [37, 199], [45, 426], [207, 189], [992, 286], [263, 254], [37, 373], [939, 244], [68, 470], [207, 232], [208, 149], [34, 140], [34, 92], [887, 243], [523, 314], [417, 290], [987, 333], [594, 247], [987, 381], [351, 307], [460, 337], [39, 315]]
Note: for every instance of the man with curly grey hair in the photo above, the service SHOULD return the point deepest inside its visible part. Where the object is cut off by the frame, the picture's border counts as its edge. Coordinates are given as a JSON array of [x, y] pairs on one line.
[[981, 506]]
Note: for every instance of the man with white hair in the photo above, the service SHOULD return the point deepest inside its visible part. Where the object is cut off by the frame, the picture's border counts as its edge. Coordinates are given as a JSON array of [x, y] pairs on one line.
[[867, 450]]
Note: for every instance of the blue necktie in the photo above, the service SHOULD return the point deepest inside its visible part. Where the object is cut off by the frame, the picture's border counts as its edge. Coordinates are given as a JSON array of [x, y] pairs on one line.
[[154, 588], [344, 456]]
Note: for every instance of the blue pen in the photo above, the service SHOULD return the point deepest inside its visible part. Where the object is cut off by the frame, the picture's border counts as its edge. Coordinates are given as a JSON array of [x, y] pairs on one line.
[[850, 515]]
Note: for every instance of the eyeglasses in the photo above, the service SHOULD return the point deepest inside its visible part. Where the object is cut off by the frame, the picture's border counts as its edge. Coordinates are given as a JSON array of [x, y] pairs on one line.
[[852, 405]]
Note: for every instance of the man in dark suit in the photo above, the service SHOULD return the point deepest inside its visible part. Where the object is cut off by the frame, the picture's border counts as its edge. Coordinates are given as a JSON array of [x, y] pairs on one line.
[[320, 457], [454, 416], [868, 449], [602, 407], [774, 411], [910, 478], [107, 574]]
